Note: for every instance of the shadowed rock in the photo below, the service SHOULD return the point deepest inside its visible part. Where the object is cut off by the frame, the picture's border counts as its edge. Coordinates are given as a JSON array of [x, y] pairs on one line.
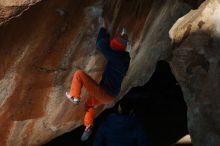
[[44, 42]]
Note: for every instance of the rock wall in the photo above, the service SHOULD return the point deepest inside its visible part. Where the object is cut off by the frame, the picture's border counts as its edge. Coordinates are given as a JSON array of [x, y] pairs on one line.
[[13, 8], [44, 41], [196, 64]]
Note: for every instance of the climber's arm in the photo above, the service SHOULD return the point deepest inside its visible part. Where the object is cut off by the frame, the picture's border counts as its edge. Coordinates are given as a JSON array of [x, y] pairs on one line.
[[102, 44], [103, 47]]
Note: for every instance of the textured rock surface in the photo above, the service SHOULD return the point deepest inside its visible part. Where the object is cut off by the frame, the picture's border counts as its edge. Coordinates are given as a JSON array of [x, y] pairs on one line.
[[195, 62], [13, 8], [46, 41]]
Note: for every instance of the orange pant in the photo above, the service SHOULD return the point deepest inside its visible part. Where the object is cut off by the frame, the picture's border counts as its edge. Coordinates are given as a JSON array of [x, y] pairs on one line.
[[97, 95]]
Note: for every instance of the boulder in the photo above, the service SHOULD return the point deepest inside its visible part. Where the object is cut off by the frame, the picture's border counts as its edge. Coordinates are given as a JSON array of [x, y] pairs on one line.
[[195, 62], [44, 42], [13, 8]]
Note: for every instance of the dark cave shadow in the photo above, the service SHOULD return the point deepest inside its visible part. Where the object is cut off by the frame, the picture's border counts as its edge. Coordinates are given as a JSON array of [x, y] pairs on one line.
[[161, 107], [159, 104]]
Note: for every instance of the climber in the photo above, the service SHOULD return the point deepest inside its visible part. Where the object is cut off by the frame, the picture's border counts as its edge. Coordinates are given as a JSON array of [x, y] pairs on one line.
[[121, 128], [118, 59]]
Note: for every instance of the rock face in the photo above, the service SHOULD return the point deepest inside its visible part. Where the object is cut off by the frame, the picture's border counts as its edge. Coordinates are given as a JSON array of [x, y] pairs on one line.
[[13, 8], [44, 42], [196, 65]]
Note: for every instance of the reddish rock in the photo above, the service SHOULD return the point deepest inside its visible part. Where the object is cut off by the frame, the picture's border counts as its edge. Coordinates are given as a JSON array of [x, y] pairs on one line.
[[14, 8], [44, 42]]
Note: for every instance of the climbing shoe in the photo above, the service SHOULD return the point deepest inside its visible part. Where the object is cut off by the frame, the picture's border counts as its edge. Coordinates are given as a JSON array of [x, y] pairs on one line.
[[87, 132], [72, 99]]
